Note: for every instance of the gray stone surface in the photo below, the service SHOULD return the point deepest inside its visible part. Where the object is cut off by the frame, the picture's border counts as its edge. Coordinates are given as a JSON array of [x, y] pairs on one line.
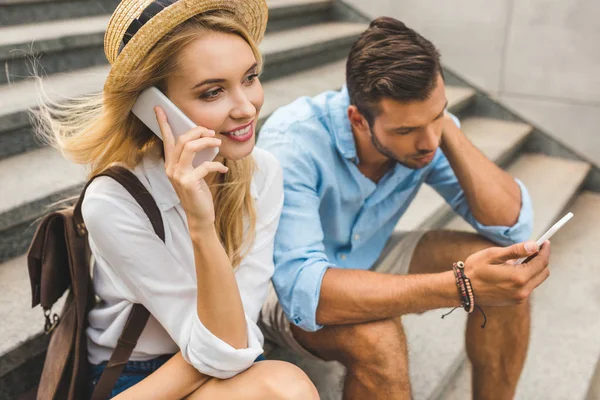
[[291, 51], [26, 12], [286, 14], [575, 124], [594, 389], [552, 50], [35, 175], [14, 36]]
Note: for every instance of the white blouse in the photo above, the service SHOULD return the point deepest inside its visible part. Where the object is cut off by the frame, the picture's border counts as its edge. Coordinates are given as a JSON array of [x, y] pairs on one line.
[[133, 265]]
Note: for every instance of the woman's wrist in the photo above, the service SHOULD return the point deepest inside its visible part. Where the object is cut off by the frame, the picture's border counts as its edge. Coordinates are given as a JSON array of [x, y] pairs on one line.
[[201, 231]]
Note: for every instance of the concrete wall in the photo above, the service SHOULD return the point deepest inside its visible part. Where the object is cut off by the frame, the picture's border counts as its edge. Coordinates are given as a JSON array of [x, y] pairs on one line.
[[539, 57]]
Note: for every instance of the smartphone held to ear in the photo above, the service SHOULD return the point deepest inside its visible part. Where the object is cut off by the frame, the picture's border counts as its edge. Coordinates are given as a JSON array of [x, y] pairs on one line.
[[178, 121]]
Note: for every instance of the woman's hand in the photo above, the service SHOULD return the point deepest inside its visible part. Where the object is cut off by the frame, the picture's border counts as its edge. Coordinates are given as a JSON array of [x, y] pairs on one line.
[[193, 192]]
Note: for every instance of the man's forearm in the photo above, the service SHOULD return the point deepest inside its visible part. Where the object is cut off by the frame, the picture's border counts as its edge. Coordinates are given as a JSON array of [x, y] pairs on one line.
[[493, 195], [355, 296]]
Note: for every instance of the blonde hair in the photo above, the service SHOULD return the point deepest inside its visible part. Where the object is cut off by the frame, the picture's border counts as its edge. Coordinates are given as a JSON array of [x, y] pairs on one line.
[[99, 130]]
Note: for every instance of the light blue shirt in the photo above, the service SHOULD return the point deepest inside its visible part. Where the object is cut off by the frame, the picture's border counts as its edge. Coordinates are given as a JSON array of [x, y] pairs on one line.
[[335, 217]]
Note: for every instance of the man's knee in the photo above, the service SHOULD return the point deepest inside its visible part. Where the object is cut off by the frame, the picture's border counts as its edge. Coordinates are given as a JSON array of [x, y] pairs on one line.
[[379, 344]]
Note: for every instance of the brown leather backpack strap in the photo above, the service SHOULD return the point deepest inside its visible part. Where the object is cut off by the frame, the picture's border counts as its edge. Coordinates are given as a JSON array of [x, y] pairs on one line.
[[133, 329], [139, 192], [139, 315]]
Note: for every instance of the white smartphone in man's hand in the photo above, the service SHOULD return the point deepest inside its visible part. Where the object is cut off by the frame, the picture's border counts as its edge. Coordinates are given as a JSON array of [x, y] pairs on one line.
[[178, 121], [549, 233]]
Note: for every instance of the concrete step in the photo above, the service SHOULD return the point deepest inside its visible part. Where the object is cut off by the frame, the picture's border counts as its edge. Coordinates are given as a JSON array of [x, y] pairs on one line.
[[18, 12], [594, 389], [58, 46], [498, 140], [562, 358], [436, 348], [287, 14], [286, 52], [69, 45]]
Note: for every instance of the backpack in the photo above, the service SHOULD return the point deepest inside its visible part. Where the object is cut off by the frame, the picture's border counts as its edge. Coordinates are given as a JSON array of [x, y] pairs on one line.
[[59, 260]]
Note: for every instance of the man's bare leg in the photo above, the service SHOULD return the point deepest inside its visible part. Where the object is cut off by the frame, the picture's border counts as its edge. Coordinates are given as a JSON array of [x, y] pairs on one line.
[[497, 352], [374, 355]]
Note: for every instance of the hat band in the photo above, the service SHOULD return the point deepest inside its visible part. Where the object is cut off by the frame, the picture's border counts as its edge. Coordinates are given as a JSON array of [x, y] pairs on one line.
[[148, 13]]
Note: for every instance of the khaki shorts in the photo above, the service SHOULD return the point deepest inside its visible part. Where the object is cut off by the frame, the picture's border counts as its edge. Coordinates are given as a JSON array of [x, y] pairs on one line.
[[394, 259]]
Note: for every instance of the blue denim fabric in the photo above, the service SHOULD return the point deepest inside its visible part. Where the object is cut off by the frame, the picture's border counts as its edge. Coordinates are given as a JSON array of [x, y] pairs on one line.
[[134, 372]]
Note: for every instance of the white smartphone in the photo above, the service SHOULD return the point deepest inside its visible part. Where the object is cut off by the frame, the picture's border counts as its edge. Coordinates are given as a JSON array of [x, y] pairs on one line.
[[179, 122], [549, 233]]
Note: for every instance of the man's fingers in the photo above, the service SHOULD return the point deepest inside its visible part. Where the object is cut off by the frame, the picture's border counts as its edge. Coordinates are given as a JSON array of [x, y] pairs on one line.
[[538, 279], [167, 134], [503, 254], [538, 263]]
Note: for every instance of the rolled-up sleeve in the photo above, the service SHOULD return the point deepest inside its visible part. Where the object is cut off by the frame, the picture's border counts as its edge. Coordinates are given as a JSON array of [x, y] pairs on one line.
[[300, 259], [445, 182], [146, 272]]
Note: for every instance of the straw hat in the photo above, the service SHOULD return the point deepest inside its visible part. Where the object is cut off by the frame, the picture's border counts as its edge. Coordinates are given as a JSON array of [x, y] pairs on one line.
[[146, 21]]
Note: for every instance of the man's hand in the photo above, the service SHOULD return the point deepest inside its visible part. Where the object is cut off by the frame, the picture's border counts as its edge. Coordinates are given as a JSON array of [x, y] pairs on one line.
[[497, 281], [448, 125]]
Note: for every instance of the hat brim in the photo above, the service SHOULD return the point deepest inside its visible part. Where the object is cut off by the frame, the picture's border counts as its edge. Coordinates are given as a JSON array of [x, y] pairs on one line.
[[253, 14]]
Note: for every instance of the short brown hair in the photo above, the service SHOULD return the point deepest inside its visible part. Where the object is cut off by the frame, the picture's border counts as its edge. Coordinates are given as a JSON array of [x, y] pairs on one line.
[[390, 60]]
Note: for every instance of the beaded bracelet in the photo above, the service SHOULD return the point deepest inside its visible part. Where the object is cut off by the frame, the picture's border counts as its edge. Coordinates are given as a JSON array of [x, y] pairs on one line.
[[465, 291]]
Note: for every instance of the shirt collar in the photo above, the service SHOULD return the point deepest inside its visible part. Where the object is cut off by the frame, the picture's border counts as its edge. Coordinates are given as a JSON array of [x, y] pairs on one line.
[[340, 124], [160, 186]]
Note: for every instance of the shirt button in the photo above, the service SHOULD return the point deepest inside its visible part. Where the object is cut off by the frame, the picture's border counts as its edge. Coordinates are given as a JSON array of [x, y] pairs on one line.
[[343, 257], [356, 237]]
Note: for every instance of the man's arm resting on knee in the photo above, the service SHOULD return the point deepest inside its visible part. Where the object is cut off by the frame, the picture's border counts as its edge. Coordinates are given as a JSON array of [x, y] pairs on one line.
[[354, 296]]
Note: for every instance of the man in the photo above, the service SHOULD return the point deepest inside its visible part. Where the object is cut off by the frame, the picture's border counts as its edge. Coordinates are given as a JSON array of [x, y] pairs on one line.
[[353, 161]]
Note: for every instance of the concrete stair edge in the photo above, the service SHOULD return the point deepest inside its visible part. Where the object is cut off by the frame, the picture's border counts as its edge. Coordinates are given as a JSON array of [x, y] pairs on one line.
[[277, 48]]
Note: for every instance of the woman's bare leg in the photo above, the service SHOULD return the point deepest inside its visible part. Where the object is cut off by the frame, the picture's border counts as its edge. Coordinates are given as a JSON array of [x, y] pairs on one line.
[[273, 380]]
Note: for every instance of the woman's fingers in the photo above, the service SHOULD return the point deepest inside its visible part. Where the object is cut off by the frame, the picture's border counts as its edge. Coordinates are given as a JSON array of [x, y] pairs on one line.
[[208, 167], [167, 133], [194, 146], [181, 142]]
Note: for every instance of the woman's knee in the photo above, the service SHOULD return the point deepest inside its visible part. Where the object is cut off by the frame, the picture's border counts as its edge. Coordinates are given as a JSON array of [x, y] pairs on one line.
[[284, 381]]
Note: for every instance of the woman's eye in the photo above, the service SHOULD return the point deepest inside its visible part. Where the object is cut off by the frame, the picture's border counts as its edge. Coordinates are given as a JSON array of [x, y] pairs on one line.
[[211, 94], [251, 78]]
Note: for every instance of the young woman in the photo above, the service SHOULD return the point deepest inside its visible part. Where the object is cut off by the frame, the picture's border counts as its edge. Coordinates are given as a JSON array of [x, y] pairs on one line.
[[205, 285]]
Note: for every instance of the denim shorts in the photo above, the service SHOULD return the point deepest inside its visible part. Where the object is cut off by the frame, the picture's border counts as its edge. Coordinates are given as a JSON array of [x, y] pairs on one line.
[[134, 372]]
